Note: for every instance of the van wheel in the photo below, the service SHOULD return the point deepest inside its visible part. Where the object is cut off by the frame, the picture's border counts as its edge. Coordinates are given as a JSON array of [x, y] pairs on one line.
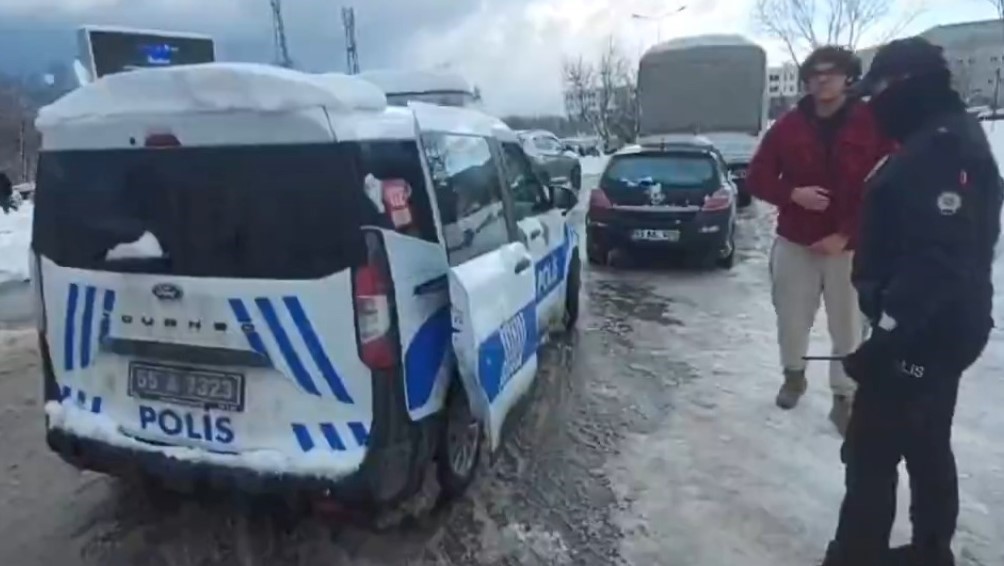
[[574, 287], [459, 449]]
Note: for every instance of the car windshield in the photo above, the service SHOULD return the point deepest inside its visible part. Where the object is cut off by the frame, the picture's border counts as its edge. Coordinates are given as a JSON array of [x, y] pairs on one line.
[[684, 171], [277, 212]]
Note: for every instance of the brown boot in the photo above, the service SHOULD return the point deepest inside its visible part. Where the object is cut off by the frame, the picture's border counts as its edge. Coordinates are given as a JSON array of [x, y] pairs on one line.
[[840, 413], [792, 390]]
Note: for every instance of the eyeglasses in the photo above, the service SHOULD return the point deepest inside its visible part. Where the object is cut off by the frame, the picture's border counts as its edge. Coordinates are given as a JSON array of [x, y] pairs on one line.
[[825, 73]]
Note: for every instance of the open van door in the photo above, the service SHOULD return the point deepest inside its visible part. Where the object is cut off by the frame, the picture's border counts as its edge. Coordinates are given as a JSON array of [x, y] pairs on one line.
[[495, 331]]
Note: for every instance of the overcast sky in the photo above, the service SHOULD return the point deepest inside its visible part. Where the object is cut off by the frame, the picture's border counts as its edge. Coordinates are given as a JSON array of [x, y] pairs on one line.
[[513, 49]]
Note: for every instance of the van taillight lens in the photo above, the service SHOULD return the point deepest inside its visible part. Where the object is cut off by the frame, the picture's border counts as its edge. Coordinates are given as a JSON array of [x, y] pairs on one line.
[[374, 307], [718, 200], [598, 200]]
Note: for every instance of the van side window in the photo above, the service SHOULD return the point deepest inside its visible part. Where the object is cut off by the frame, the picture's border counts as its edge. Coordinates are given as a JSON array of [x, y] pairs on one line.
[[528, 194], [468, 192], [395, 171]]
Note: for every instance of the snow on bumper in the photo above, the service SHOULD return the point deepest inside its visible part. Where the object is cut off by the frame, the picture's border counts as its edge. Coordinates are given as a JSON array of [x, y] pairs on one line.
[[75, 424]]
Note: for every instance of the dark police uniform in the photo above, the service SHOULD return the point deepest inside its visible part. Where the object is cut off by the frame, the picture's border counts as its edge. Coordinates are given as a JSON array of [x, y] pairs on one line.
[[923, 267]]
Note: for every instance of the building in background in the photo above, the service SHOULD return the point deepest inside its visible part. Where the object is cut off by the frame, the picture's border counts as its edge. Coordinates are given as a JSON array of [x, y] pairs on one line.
[[975, 54], [783, 88]]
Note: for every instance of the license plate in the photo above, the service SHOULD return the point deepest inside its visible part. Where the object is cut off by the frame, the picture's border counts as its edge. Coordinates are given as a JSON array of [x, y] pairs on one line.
[[187, 386], [657, 235]]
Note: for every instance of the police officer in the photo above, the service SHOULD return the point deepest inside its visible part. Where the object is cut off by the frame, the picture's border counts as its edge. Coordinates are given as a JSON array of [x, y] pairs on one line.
[[930, 222]]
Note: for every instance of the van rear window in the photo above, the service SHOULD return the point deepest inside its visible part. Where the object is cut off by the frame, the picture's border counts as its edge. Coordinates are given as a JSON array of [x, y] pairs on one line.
[[273, 212]]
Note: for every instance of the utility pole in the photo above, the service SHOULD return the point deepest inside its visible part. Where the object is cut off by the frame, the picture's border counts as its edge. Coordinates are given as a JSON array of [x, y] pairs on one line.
[[282, 57], [351, 52]]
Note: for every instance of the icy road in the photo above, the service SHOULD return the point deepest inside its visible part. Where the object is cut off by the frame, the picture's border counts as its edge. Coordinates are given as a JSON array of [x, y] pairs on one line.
[[652, 440]]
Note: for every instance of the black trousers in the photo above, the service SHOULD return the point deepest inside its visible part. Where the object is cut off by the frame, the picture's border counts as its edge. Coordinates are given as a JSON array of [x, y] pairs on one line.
[[896, 417], [885, 429]]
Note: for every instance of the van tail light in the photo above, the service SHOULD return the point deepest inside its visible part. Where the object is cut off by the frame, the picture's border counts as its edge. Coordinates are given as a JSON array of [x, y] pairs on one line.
[[374, 305], [598, 200], [718, 200]]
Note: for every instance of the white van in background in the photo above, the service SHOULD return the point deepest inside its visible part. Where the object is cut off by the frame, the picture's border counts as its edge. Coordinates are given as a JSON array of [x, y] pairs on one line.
[[257, 279]]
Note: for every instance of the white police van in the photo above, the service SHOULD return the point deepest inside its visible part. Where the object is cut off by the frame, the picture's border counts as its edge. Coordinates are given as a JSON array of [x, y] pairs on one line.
[[258, 279]]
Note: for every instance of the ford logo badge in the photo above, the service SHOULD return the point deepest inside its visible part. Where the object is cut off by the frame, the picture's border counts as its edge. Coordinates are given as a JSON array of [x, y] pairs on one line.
[[167, 292]]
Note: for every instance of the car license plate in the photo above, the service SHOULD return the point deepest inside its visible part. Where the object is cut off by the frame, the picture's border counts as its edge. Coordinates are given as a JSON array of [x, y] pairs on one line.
[[187, 386], [657, 235]]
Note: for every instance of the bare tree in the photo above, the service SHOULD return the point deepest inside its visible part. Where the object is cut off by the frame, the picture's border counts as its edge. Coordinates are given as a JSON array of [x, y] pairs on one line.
[[579, 85], [803, 25]]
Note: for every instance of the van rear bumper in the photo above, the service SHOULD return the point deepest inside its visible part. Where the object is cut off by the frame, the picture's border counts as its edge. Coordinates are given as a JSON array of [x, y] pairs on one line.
[[361, 488]]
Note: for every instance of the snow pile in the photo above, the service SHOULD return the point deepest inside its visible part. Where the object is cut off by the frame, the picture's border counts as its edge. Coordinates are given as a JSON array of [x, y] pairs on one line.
[[317, 463], [15, 239], [211, 87]]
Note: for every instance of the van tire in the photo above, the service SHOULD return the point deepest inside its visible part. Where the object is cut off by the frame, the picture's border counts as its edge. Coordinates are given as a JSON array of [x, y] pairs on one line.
[[454, 471], [573, 288]]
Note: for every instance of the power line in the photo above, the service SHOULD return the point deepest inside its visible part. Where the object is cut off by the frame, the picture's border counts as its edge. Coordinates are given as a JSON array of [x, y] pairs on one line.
[[351, 52], [282, 57]]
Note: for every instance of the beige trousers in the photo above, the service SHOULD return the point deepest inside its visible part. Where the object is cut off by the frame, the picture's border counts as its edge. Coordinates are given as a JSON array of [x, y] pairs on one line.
[[801, 279]]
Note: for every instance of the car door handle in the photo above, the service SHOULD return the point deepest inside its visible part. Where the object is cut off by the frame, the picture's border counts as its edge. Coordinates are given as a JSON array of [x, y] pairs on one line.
[[523, 264], [534, 234], [432, 286]]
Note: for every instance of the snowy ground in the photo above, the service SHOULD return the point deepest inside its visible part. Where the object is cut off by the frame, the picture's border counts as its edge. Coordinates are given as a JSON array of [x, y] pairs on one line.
[[652, 440], [15, 236]]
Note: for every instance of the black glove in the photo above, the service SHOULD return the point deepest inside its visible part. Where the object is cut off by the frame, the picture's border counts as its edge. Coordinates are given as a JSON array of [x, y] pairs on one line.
[[874, 359]]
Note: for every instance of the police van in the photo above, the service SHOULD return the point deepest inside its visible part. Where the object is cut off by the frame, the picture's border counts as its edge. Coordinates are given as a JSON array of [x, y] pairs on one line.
[[262, 280]]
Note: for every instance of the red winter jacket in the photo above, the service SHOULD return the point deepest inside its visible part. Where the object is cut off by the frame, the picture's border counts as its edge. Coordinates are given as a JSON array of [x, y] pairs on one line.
[[795, 153]]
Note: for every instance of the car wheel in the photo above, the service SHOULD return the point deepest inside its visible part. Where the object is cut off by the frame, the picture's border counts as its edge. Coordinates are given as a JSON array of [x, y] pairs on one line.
[[596, 254], [573, 286], [459, 449], [576, 178], [727, 257], [745, 199]]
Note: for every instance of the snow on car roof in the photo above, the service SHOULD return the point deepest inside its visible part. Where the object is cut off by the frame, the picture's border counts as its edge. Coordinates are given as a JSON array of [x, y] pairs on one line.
[[395, 81], [708, 40], [211, 87]]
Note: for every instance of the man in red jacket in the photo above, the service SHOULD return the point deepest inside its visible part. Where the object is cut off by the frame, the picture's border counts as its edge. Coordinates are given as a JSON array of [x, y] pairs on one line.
[[812, 165]]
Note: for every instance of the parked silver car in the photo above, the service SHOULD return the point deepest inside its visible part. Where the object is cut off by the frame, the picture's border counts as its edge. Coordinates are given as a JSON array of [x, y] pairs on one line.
[[553, 158]]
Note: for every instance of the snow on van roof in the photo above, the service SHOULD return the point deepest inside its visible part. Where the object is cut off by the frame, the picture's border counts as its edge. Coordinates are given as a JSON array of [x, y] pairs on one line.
[[707, 40], [211, 87], [398, 81]]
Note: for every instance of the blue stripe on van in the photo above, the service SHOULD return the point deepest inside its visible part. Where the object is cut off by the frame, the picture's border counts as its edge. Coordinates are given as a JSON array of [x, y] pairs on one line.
[[332, 436], [286, 347], [69, 339], [247, 326], [316, 349], [303, 437], [425, 356], [361, 433], [87, 327], [107, 306]]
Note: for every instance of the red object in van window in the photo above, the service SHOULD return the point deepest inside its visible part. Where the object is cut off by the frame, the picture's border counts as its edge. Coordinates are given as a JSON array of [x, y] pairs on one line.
[[396, 197]]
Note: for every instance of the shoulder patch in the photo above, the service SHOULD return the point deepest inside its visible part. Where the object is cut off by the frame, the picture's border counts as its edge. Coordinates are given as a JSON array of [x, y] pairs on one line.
[[949, 202]]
